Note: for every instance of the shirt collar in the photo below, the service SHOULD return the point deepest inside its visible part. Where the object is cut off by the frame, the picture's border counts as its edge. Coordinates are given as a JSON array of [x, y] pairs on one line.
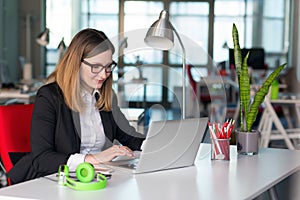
[[85, 93], [96, 91]]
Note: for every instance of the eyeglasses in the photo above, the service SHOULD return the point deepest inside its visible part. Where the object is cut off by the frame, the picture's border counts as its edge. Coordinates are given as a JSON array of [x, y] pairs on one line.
[[97, 68]]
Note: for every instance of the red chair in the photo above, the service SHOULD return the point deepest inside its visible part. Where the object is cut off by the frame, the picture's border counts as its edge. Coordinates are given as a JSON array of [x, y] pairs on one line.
[[15, 122]]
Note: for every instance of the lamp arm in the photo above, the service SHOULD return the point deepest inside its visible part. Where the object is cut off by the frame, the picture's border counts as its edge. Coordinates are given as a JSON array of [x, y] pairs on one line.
[[183, 74]]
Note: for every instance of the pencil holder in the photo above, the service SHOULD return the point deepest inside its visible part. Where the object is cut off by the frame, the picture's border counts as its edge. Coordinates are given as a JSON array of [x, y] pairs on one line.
[[220, 149]]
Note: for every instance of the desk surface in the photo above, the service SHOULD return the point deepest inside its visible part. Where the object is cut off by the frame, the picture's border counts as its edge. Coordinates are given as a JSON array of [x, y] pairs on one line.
[[243, 177]]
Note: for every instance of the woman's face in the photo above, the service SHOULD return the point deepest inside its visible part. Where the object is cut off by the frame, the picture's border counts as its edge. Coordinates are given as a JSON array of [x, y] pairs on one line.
[[89, 80]]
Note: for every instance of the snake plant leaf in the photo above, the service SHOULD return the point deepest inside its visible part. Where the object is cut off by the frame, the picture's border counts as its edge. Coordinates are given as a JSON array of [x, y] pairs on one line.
[[237, 51], [244, 83], [260, 96], [238, 65], [248, 111]]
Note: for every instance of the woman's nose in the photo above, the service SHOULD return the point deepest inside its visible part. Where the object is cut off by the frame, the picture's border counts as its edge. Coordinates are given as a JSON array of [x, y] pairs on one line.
[[103, 74]]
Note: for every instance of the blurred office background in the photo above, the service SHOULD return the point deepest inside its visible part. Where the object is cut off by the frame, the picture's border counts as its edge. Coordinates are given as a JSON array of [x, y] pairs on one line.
[[207, 23], [151, 78]]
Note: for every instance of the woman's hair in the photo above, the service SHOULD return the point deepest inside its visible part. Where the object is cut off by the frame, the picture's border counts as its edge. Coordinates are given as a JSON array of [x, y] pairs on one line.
[[86, 43]]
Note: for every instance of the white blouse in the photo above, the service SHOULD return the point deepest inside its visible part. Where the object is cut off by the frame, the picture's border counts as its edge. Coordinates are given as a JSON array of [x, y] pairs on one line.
[[92, 132]]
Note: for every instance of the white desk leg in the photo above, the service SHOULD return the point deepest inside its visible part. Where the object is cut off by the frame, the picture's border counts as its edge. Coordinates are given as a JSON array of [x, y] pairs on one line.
[[262, 129], [278, 125], [265, 127]]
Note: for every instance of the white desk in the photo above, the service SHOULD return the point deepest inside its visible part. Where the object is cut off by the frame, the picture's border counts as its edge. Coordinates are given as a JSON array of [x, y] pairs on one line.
[[241, 178]]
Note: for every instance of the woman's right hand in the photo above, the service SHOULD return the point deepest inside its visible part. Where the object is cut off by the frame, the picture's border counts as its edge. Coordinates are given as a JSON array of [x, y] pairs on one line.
[[108, 154]]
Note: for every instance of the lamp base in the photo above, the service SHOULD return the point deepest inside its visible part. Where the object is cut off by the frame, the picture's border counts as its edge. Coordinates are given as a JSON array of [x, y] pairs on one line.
[[27, 71]]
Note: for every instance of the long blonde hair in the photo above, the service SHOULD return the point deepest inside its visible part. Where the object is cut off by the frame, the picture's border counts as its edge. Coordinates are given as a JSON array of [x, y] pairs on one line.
[[86, 43]]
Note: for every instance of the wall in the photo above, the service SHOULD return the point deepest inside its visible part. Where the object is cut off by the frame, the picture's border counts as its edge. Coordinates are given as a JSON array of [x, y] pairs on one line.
[[13, 36], [9, 39], [34, 9]]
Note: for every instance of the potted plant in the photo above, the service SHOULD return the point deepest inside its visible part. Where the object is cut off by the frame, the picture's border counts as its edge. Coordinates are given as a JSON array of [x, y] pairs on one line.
[[246, 138]]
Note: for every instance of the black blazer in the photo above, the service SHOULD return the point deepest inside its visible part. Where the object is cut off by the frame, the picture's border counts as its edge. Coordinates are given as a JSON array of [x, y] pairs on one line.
[[55, 134]]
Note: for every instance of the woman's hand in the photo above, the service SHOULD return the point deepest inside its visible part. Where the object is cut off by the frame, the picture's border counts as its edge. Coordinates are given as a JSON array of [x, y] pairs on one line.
[[108, 154]]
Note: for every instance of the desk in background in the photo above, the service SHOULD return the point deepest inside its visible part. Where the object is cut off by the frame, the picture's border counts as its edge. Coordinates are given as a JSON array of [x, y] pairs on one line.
[[15, 96], [25, 94], [134, 115], [271, 127], [218, 95], [243, 177], [135, 85], [289, 103]]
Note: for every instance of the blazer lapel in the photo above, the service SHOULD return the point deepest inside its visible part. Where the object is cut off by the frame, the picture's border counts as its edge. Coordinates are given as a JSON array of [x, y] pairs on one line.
[[108, 130], [76, 121]]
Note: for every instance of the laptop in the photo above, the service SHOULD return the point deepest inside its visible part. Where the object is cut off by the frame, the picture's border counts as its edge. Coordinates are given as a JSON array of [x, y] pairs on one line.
[[168, 145]]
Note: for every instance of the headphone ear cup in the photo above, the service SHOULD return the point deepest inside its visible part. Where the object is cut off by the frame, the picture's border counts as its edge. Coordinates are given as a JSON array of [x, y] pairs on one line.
[[85, 172], [62, 174]]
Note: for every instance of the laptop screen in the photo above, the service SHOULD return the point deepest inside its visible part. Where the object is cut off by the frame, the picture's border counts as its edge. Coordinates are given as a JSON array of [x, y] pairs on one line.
[[171, 144]]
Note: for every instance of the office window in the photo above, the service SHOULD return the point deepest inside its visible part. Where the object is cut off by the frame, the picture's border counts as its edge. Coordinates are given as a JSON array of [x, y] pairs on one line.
[[226, 13], [260, 24], [190, 19], [274, 21], [138, 57], [196, 42], [66, 17], [102, 15], [59, 21], [136, 24]]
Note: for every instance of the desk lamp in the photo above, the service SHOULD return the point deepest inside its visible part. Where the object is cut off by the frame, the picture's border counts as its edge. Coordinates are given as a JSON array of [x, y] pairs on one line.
[[61, 48], [160, 36], [43, 38]]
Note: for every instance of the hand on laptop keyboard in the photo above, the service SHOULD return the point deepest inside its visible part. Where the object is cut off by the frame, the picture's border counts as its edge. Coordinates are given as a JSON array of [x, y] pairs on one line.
[[136, 154]]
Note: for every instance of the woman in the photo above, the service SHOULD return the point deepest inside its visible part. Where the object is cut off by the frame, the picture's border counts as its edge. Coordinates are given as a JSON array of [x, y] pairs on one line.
[[66, 125]]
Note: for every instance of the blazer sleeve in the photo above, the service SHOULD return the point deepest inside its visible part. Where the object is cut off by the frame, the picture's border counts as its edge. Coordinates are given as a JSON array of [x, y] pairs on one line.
[[125, 133], [53, 138]]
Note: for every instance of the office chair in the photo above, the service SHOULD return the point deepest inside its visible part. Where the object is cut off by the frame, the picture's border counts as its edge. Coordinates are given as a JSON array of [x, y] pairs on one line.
[[15, 121]]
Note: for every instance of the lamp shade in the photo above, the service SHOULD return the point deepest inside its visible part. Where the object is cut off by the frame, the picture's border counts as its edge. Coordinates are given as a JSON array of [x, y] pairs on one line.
[[61, 45], [160, 34], [43, 38], [61, 48]]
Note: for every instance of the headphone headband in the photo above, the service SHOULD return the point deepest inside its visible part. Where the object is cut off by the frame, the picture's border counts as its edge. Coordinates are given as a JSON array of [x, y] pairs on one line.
[[85, 174]]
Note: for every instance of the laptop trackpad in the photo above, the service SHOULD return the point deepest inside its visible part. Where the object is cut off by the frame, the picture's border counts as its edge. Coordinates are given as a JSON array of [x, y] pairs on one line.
[[126, 158], [129, 163]]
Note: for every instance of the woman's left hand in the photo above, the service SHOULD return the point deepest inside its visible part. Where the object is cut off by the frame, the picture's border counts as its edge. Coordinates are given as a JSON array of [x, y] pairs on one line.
[[108, 154]]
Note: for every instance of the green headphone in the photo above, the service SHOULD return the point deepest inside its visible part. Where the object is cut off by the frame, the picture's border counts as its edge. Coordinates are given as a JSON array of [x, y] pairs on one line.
[[85, 174]]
